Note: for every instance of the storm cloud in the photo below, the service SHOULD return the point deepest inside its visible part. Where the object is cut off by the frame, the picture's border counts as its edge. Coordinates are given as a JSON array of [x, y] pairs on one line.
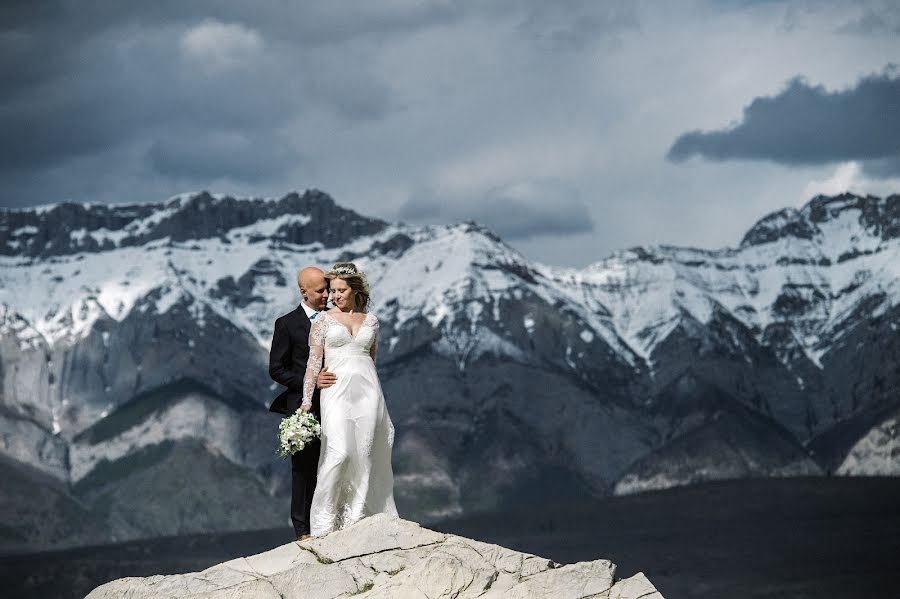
[[806, 125], [81, 78]]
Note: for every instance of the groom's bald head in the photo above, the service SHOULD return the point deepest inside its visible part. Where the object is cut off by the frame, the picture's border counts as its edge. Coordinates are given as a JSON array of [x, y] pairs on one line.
[[309, 276], [313, 287]]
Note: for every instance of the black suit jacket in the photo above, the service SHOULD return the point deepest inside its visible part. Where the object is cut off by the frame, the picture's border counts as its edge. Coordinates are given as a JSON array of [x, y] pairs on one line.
[[287, 361]]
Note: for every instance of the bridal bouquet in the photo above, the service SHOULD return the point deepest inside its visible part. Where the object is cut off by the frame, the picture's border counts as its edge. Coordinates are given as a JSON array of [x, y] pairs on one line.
[[296, 431]]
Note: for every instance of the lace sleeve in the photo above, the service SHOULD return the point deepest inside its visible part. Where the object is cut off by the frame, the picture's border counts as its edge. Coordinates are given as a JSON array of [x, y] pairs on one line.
[[375, 327], [314, 364]]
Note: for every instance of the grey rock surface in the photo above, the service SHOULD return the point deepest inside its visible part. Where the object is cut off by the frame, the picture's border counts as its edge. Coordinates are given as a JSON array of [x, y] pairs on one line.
[[386, 557]]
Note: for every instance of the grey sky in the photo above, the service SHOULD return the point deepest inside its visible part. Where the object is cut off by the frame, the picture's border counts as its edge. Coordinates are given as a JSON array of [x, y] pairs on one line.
[[520, 211], [549, 122]]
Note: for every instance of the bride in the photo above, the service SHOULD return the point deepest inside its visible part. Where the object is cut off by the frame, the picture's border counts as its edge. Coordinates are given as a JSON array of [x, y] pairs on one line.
[[355, 478]]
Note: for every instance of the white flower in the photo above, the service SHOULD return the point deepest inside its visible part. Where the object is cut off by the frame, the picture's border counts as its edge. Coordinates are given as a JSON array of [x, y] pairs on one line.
[[296, 431]]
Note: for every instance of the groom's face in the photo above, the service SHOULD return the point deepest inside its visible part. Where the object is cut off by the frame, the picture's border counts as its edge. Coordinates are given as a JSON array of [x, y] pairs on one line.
[[314, 289]]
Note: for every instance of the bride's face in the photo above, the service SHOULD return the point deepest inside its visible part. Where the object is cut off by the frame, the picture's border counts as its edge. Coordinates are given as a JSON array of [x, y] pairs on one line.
[[341, 294]]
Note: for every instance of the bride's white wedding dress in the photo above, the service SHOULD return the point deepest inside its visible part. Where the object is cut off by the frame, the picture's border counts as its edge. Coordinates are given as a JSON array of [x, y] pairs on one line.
[[355, 478]]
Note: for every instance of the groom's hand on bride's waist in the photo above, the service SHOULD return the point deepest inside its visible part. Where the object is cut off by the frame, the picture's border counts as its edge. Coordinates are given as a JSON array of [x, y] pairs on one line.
[[325, 379]]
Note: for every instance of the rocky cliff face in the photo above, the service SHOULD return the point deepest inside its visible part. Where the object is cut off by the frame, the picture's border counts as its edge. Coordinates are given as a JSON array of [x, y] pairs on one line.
[[132, 336], [387, 557]]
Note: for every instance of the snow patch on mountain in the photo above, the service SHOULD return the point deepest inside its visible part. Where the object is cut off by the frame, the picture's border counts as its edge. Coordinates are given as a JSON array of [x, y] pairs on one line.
[[877, 453], [812, 284], [13, 325], [631, 300]]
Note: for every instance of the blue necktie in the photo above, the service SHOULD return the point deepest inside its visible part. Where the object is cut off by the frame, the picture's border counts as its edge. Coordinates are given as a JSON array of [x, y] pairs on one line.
[[313, 315]]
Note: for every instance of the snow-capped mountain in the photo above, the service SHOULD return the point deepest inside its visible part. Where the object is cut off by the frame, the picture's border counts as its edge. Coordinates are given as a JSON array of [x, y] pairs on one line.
[[134, 339]]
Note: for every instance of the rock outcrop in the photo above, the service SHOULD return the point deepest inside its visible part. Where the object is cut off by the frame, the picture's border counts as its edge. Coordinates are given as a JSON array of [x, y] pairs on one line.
[[385, 557]]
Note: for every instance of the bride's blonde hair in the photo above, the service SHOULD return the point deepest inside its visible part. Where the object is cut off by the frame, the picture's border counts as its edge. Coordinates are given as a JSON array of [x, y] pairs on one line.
[[355, 279]]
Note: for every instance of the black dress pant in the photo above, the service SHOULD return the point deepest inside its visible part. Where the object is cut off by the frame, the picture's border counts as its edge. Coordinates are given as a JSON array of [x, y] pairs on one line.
[[304, 464]]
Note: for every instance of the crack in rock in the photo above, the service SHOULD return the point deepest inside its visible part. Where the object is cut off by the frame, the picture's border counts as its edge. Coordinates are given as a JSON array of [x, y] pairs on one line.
[[379, 552], [319, 558]]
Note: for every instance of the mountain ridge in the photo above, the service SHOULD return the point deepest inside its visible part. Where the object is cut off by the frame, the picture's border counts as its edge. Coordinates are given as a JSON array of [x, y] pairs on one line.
[[70, 227], [533, 365]]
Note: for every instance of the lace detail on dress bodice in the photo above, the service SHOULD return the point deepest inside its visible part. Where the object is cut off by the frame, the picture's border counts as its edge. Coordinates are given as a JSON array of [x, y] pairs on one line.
[[329, 333], [338, 335]]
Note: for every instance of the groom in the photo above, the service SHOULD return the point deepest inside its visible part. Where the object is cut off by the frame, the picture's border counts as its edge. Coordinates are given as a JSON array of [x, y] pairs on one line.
[[287, 365]]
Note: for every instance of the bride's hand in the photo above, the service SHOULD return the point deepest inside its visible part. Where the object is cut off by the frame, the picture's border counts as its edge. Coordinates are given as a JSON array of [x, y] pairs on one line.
[[304, 408]]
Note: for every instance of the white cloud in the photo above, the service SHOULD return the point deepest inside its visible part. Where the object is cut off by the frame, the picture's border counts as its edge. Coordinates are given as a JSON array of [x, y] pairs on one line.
[[849, 177], [217, 46], [844, 178]]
